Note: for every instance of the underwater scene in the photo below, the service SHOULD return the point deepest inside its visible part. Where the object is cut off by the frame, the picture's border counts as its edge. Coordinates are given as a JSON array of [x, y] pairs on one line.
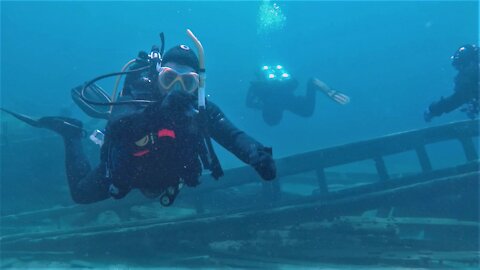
[[239, 135]]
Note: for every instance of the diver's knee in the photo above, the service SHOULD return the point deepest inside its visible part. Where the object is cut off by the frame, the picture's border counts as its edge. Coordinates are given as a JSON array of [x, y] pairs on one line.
[[308, 113], [80, 198], [272, 118], [272, 121]]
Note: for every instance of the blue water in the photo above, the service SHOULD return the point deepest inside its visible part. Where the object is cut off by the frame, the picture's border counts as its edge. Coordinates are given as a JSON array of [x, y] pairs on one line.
[[392, 58]]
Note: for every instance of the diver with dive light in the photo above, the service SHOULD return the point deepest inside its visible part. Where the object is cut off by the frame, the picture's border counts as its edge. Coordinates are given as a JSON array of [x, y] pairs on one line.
[[273, 89], [466, 93], [157, 138]]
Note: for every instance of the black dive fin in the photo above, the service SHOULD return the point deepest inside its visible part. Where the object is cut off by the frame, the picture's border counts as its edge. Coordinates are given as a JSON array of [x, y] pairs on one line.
[[64, 126], [23, 118]]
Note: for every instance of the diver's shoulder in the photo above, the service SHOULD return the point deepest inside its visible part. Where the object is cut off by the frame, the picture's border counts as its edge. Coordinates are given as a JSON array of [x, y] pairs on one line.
[[213, 111], [210, 105]]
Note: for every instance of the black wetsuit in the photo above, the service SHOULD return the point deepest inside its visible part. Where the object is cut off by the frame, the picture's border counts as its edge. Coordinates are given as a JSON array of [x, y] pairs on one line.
[[466, 91], [153, 147], [274, 97]]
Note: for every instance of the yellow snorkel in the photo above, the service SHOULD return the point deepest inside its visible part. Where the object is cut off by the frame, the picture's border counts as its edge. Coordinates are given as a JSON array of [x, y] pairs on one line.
[[209, 159], [201, 73]]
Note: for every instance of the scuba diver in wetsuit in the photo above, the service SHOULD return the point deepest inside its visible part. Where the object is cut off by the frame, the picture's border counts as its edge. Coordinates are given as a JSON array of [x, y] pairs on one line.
[[466, 91], [272, 92], [158, 139]]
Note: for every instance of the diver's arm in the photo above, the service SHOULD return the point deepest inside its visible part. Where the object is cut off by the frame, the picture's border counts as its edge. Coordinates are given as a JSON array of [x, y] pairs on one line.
[[239, 143], [229, 136], [448, 104], [464, 91]]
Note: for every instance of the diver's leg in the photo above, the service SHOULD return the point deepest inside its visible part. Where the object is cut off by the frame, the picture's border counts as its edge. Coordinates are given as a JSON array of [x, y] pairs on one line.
[[272, 115], [86, 185], [304, 105]]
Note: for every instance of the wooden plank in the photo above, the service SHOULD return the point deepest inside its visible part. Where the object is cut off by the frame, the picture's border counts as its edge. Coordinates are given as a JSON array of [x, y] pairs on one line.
[[423, 158], [349, 153], [469, 148], [386, 145], [473, 167], [322, 182], [189, 197], [213, 227], [381, 168]]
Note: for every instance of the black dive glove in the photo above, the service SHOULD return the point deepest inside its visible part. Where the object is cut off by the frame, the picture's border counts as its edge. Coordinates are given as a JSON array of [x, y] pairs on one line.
[[432, 111], [427, 115], [261, 159], [178, 100], [116, 192]]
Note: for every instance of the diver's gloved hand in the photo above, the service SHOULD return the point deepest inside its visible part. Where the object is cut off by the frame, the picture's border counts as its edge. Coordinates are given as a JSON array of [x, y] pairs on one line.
[[178, 106], [471, 109], [178, 100], [175, 101], [261, 159], [118, 192], [427, 115]]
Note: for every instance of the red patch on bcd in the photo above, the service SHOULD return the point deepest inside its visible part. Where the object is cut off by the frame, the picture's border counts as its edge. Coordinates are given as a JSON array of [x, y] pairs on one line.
[[166, 133]]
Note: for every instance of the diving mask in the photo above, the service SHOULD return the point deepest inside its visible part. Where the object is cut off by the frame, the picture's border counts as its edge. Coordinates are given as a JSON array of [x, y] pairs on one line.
[[167, 77]]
